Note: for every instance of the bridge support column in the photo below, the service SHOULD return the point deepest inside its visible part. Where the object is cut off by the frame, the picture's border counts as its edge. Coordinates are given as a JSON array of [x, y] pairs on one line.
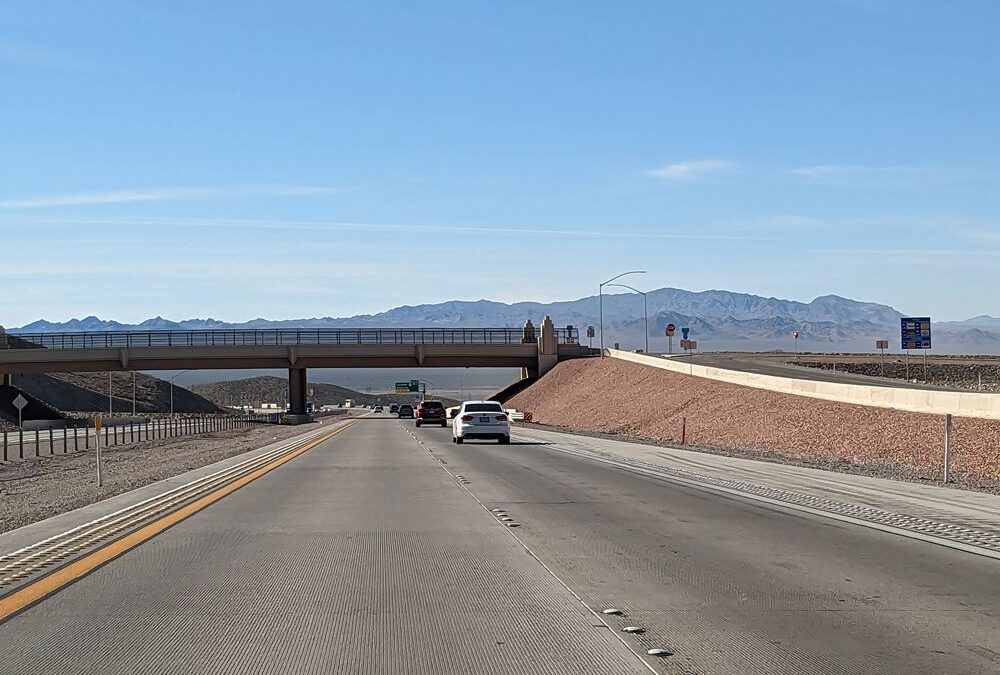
[[8, 380], [297, 396], [548, 347]]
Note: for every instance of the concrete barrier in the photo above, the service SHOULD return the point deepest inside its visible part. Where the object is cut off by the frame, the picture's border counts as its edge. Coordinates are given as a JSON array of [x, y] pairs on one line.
[[958, 403]]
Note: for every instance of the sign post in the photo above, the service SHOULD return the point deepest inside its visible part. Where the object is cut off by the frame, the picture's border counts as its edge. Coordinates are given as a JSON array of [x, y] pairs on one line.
[[97, 438], [915, 333], [689, 346], [671, 328], [881, 346], [19, 402], [947, 446]]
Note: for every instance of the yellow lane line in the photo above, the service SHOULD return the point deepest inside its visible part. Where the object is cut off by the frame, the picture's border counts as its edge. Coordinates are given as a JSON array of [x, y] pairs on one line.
[[29, 595]]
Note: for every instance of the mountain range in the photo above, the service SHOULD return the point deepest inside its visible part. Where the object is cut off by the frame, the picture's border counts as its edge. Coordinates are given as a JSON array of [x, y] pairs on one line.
[[719, 320]]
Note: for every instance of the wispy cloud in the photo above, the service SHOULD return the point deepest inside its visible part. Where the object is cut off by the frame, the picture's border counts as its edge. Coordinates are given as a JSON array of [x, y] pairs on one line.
[[159, 194], [24, 55], [691, 169], [312, 225], [839, 170]]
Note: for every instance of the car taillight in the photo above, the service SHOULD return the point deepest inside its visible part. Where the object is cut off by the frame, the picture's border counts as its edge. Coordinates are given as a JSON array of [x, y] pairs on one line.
[[501, 418], [466, 418]]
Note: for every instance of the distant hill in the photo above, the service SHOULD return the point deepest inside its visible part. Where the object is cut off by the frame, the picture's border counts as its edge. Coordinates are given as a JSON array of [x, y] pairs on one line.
[[719, 320], [88, 392], [267, 389]]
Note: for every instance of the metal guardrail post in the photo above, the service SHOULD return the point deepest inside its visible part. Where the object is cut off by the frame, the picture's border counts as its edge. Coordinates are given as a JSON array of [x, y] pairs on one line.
[[20, 443], [52, 449], [37, 443], [5, 445], [76, 443]]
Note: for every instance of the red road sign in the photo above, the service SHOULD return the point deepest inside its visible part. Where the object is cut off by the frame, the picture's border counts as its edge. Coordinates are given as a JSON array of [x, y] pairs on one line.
[[670, 329], [795, 334]]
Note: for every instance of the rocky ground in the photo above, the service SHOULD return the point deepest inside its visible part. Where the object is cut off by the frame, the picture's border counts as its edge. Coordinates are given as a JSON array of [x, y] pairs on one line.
[[45, 486], [609, 396], [974, 376]]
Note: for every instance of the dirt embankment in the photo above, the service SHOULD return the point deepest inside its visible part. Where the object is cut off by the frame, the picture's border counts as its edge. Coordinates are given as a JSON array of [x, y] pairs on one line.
[[45, 486], [974, 376], [618, 397]]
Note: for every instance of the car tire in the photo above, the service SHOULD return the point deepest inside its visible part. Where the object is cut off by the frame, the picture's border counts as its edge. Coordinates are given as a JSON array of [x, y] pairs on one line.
[[459, 439], [504, 440], [444, 424], [418, 423]]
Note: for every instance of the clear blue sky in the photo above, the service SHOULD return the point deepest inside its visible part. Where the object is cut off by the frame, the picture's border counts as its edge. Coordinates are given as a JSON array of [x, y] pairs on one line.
[[288, 159]]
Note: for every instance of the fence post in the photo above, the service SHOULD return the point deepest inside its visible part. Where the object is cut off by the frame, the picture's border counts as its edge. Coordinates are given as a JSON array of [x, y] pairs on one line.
[[5, 445], [52, 447], [947, 446], [86, 438], [105, 436], [38, 444], [66, 439], [131, 432], [20, 443], [76, 443]]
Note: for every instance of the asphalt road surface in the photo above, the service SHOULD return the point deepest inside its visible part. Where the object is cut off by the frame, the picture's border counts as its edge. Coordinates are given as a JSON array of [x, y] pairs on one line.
[[368, 554], [764, 364]]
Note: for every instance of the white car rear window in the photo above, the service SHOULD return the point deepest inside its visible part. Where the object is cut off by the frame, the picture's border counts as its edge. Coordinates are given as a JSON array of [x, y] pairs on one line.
[[484, 407]]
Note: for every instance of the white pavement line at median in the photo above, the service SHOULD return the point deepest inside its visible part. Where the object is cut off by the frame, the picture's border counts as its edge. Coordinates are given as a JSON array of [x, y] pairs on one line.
[[530, 552], [704, 483]]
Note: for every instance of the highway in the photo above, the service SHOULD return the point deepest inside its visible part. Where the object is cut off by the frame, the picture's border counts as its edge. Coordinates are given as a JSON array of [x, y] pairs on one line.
[[779, 365], [379, 551]]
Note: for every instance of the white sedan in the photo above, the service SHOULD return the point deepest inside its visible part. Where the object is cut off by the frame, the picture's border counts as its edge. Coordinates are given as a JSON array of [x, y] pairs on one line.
[[480, 419]]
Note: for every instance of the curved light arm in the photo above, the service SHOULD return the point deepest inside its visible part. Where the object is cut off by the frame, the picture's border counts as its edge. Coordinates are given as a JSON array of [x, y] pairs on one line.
[[622, 275], [628, 287]]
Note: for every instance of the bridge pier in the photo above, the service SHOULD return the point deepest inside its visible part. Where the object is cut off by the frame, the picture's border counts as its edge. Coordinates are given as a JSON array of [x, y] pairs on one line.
[[297, 397]]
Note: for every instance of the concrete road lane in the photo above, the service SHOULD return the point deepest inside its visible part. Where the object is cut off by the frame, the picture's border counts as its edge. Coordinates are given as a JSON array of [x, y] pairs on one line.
[[361, 556], [735, 586]]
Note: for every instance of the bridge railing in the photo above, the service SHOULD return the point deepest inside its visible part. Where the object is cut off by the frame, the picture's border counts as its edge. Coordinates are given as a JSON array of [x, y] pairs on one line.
[[281, 337]]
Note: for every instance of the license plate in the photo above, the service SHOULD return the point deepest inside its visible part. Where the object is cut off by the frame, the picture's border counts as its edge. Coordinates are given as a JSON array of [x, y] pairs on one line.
[[484, 420]]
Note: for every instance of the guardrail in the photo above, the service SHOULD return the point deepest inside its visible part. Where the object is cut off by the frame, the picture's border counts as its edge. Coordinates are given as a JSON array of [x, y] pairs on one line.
[[279, 337], [47, 442]]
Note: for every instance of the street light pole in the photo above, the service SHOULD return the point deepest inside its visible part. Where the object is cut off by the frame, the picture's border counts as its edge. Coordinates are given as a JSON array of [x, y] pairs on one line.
[[600, 302], [172, 391], [645, 312]]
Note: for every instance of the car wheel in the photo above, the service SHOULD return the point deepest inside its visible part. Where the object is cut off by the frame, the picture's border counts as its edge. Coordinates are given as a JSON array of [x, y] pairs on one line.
[[444, 424], [459, 439], [418, 423], [504, 440]]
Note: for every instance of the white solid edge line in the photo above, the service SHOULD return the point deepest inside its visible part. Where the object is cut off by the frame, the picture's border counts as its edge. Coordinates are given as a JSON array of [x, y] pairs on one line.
[[548, 569], [283, 448], [968, 548]]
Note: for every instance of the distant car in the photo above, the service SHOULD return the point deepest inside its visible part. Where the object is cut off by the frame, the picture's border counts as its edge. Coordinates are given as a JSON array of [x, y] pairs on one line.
[[431, 412], [393, 408], [481, 419], [405, 410], [377, 409]]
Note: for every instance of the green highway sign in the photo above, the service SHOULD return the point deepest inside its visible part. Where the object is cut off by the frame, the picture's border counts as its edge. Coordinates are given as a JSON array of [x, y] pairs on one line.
[[402, 387]]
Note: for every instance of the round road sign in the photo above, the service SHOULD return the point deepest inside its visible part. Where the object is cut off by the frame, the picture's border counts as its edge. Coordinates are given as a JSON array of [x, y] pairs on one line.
[[670, 329]]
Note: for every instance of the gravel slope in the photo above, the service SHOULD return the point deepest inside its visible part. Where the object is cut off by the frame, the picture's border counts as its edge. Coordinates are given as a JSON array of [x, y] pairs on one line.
[[40, 487], [618, 397]]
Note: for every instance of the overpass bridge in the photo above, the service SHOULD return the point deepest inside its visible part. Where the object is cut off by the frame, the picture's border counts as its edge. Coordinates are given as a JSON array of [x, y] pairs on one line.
[[533, 350]]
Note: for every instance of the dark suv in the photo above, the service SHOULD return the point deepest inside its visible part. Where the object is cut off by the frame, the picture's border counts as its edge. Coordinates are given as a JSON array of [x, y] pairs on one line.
[[431, 412]]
